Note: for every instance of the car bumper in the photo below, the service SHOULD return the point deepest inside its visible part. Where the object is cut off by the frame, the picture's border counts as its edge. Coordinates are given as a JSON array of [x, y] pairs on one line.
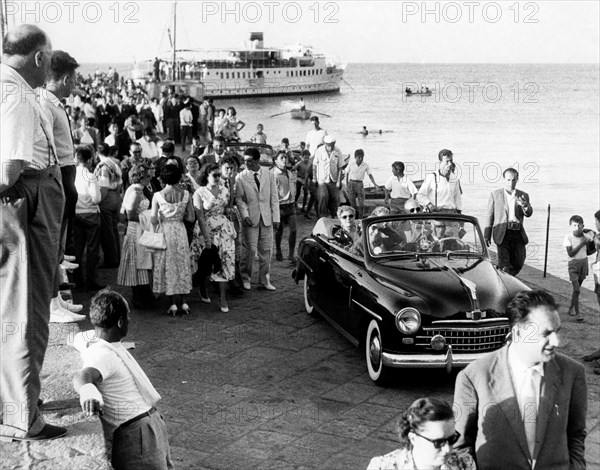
[[447, 361]]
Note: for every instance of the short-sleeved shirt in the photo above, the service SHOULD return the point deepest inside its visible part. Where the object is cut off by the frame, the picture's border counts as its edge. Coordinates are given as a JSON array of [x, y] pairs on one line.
[[25, 133], [357, 173], [61, 127], [314, 138], [286, 185], [400, 188], [121, 396], [571, 240], [327, 165]]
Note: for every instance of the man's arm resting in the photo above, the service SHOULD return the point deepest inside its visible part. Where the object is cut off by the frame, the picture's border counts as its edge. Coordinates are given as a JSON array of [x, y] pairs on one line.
[[9, 173]]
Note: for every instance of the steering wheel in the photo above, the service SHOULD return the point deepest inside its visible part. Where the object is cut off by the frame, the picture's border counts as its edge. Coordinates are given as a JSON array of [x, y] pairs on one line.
[[441, 242]]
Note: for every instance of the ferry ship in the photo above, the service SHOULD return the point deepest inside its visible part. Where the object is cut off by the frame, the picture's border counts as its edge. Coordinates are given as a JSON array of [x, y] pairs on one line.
[[246, 72]]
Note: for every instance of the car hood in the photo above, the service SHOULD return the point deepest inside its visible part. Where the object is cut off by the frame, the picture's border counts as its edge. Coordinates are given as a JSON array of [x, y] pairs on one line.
[[442, 284]]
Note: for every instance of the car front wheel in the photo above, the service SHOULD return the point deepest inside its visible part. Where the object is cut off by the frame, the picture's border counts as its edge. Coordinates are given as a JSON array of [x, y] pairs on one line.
[[374, 354], [310, 309]]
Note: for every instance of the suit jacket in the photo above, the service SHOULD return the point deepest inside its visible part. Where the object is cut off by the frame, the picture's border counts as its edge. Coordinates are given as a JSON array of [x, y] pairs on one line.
[[490, 423], [254, 204], [497, 216]]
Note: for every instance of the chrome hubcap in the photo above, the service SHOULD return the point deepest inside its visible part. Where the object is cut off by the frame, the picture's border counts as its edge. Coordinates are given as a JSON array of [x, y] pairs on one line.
[[375, 351]]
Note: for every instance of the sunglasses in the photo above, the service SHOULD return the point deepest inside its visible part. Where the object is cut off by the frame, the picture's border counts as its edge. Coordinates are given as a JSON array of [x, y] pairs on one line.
[[439, 443], [348, 216], [216, 175], [415, 209]]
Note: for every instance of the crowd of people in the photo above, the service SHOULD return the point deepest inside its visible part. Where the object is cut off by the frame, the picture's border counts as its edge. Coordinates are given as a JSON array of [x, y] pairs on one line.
[[77, 165]]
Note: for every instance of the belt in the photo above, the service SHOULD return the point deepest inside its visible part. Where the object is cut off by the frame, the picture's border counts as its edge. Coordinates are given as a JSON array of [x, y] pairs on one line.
[[138, 417], [37, 172], [514, 226], [356, 181]]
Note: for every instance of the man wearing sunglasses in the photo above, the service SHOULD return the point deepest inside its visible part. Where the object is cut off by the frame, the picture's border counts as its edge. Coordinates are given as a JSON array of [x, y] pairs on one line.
[[524, 406]]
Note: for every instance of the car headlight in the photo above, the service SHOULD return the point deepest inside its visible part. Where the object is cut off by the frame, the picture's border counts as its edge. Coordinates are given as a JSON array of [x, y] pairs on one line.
[[408, 320]]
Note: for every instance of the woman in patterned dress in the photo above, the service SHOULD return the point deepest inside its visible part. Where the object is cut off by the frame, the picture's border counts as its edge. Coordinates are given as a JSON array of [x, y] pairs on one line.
[[210, 202], [134, 203], [172, 274], [427, 434]]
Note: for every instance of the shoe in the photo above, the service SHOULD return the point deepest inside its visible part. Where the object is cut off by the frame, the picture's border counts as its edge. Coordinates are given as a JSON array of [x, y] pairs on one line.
[[279, 257], [224, 309], [75, 308], [58, 314], [185, 309], [246, 285], [47, 433], [68, 265], [172, 310], [203, 299], [67, 286], [270, 287], [69, 258], [579, 318], [572, 312], [95, 286]]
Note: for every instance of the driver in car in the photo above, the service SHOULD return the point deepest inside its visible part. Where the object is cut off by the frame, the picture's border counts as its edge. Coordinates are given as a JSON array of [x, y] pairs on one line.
[[441, 240]]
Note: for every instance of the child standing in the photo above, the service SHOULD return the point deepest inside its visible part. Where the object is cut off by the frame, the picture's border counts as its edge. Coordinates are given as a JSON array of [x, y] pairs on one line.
[[113, 384], [260, 137], [575, 242]]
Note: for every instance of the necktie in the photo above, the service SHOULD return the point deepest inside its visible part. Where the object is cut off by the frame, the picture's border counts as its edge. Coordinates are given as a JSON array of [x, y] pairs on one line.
[[530, 392], [256, 180]]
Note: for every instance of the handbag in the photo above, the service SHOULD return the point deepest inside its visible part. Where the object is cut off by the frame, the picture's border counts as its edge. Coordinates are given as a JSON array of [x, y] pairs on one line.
[[153, 240]]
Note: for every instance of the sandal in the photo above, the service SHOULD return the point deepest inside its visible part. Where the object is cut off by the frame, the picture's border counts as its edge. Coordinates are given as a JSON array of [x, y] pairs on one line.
[[185, 308], [172, 310]]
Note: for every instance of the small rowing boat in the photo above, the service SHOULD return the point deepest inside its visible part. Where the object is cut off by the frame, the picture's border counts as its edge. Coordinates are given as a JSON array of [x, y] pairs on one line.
[[302, 114]]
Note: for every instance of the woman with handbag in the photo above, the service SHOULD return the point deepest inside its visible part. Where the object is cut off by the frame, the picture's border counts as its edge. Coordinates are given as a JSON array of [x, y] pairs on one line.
[[210, 202], [135, 268], [172, 272]]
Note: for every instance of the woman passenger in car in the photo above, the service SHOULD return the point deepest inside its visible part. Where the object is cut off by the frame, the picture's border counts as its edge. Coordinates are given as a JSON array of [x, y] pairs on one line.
[[426, 433], [349, 232]]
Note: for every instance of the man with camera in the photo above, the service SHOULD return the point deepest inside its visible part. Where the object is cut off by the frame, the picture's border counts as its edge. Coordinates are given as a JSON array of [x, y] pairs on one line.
[[441, 191]]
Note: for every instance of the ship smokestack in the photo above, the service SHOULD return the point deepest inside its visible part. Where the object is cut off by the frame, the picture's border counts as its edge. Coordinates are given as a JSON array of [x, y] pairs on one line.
[[256, 40]]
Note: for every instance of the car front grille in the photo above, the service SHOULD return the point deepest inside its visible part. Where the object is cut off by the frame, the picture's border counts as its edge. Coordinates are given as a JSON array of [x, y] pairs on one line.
[[465, 338]]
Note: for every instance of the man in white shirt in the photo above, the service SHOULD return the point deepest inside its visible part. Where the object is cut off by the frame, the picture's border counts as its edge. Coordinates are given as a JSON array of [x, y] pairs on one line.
[[148, 143], [32, 205], [524, 406], [355, 174], [61, 81], [186, 119], [441, 191], [327, 173], [315, 137]]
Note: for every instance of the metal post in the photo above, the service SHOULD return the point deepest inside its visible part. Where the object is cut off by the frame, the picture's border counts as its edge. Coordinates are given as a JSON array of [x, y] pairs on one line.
[[547, 235]]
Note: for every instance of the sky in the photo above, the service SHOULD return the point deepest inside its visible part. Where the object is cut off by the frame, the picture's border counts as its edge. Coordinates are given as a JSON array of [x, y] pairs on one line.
[[352, 31]]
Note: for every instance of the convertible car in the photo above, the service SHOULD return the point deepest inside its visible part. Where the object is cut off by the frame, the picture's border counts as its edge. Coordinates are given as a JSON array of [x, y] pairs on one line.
[[415, 290]]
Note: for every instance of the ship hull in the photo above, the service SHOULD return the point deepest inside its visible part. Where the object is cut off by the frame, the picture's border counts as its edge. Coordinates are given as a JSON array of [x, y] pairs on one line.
[[229, 89]]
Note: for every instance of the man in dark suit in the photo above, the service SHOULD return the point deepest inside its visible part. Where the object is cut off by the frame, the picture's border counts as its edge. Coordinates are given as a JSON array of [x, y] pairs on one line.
[[130, 134], [258, 203], [506, 208], [524, 406]]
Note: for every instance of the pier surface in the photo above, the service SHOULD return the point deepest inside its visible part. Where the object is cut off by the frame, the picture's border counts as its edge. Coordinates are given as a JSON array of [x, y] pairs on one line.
[[265, 386]]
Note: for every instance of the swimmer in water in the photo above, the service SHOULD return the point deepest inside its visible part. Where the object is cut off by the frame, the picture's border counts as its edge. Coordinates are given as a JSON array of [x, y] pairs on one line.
[[364, 131]]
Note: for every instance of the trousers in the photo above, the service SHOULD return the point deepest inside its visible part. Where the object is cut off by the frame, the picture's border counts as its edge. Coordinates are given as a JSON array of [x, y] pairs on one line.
[[256, 239], [30, 220]]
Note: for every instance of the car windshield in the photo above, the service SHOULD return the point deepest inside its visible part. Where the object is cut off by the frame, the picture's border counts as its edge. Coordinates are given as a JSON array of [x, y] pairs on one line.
[[417, 235], [266, 151]]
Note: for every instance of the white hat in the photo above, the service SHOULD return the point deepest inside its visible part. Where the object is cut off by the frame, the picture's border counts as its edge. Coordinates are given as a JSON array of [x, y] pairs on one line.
[[329, 139]]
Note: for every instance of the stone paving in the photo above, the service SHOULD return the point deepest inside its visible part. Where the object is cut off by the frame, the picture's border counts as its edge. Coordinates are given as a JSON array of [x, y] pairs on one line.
[[265, 386]]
